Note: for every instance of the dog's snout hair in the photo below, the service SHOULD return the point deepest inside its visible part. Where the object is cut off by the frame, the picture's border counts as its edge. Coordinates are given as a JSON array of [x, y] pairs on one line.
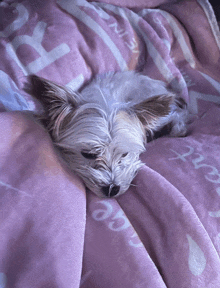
[[102, 129]]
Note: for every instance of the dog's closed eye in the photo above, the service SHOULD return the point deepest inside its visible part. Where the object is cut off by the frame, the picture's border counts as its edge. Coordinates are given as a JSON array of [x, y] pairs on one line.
[[88, 155], [124, 155]]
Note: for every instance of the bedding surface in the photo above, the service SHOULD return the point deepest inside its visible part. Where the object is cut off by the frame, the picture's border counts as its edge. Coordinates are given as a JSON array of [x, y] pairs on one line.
[[165, 230]]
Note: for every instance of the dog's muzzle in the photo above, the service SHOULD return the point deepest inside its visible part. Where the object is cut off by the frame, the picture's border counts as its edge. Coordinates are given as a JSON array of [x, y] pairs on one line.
[[111, 190]]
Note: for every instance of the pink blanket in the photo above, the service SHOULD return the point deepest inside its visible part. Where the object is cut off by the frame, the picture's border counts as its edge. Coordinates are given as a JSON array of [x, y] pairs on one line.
[[165, 230]]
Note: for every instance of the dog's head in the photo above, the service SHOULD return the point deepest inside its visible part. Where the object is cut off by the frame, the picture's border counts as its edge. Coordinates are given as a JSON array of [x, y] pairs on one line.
[[102, 148]]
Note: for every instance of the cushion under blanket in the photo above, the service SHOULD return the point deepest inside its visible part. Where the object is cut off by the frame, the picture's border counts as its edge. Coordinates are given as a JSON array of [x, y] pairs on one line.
[[165, 230]]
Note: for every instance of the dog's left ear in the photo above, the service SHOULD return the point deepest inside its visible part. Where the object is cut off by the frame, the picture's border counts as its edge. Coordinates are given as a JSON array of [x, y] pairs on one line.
[[58, 102], [152, 109]]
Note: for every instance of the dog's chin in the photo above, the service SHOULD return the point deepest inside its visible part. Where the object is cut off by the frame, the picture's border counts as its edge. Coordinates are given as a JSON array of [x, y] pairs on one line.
[[100, 194]]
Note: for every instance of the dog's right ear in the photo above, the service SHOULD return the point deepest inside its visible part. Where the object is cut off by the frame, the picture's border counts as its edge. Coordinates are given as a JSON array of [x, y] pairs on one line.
[[57, 101]]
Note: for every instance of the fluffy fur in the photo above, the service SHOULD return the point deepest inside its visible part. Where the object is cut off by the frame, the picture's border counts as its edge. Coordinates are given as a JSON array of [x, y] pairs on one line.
[[102, 129]]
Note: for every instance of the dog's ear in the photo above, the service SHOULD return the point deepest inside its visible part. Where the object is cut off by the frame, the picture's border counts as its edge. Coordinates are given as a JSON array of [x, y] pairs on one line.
[[48, 92], [152, 109], [58, 102]]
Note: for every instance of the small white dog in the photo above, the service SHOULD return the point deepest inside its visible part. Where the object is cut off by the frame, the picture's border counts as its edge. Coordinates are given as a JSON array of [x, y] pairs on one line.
[[102, 129]]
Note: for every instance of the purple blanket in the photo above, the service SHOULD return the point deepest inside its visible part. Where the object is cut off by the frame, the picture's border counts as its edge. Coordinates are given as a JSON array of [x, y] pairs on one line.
[[165, 230]]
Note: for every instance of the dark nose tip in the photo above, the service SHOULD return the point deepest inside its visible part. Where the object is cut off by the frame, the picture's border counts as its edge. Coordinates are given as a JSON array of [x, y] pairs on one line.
[[111, 190]]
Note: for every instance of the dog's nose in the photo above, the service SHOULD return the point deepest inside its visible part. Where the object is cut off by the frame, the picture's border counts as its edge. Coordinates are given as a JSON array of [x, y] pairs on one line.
[[111, 190]]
